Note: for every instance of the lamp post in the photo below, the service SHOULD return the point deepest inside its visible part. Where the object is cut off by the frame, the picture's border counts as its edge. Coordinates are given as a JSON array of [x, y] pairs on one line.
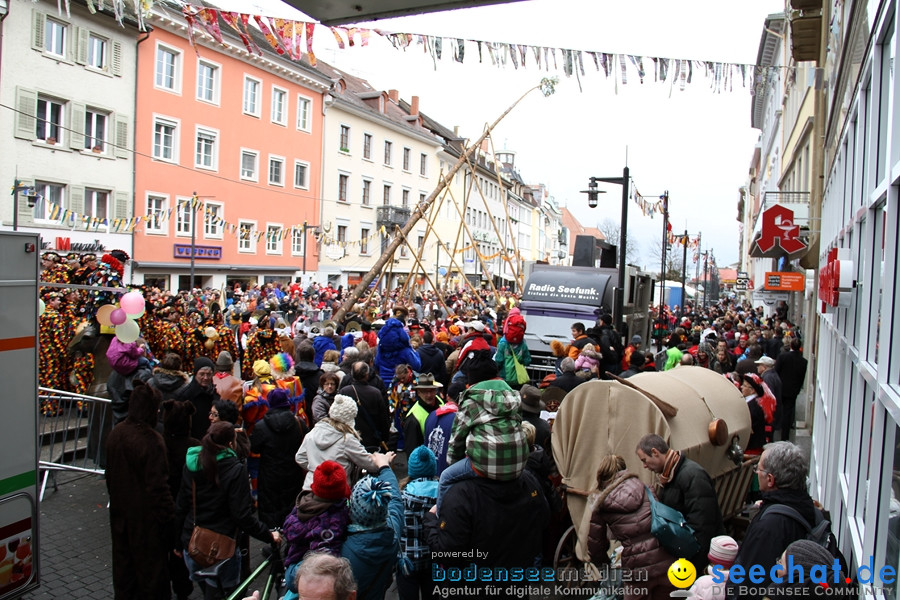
[[623, 227]]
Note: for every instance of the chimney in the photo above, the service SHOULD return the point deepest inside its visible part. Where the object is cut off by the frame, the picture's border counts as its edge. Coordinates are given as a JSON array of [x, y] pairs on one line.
[[456, 131], [414, 106], [394, 95]]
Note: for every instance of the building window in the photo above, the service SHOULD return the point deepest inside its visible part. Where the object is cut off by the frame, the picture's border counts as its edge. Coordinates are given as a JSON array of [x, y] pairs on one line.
[[405, 198], [212, 221], [423, 164], [208, 82], [96, 203], [387, 195], [406, 153], [364, 240], [249, 164], [279, 106], [343, 182], [96, 52], [298, 237], [301, 175], [184, 217], [341, 234], [304, 106], [251, 96], [164, 140], [95, 130], [366, 192], [50, 123], [388, 149], [156, 207], [48, 196], [345, 138], [367, 146], [245, 236], [422, 198], [276, 170], [205, 157], [166, 68], [55, 37], [273, 239]]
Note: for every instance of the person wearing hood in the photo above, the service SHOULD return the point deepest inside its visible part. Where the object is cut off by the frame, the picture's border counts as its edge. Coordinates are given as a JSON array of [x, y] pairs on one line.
[[214, 494], [394, 349], [323, 343], [276, 439], [334, 438], [140, 501], [376, 525], [201, 392]]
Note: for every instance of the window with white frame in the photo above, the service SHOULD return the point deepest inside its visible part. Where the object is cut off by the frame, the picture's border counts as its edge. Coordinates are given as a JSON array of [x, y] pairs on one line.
[[245, 236], [206, 154], [406, 155], [279, 106], [96, 52], [304, 111], [168, 66], [405, 199], [213, 221], [207, 82], [343, 183], [364, 241], [276, 170], [47, 197], [386, 200], [423, 164], [388, 151], [273, 239], [366, 192], [422, 197], [184, 216], [156, 208], [345, 138], [301, 175], [55, 37], [251, 96], [298, 239], [341, 234], [367, 146], [96, 203], [164, 132], [95, 130], [50, 120], [249, 165]]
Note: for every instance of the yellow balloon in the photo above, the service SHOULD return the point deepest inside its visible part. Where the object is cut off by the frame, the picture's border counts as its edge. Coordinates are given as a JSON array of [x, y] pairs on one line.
[[103, 314]]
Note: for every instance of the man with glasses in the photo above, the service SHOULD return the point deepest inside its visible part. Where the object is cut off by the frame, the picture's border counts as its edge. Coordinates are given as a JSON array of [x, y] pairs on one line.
[[782, 472]]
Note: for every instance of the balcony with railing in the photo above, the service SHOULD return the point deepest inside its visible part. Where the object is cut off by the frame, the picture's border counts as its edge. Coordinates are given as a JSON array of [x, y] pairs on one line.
[[389, 216]]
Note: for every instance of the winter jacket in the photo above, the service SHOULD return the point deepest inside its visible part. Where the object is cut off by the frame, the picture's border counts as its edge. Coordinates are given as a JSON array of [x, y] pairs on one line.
[[505, 365], [317, 525], [624, 508], [229, 387], [225, 508], [123, 357], [434, 362], [373, 553], [567, 381], [168, 382], [309, 374], [373, 422], [419, 496], [394, 349], [325, 442], [276, 439], [321, 404], [203, 400], [791, 367], [322, 344]]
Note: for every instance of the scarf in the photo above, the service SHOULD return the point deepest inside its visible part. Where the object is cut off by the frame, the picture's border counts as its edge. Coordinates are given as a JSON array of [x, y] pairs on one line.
[[672, 458]]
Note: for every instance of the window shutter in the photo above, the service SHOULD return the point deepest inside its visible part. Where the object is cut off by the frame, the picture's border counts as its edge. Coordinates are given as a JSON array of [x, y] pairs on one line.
[[116, 60], [70, 40], [122, 137], [26, 121], [76, 140], [37, 29], [81, 52], [26, 213], [76, 200], [122, 206]]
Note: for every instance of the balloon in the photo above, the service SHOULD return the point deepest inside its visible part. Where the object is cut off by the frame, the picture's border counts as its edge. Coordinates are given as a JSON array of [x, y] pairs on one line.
[[117, 317], [128, 331], [103, 314], [210, 344], [137, 316], [41, 307], [132, 303], [209, 332]]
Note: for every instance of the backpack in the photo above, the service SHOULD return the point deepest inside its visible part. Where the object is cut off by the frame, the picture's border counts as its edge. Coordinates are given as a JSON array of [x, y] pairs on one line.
[[515, 329], [820, 533]]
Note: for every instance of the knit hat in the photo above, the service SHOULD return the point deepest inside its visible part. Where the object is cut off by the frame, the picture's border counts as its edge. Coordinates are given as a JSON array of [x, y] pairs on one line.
[[636, 339], [261, 368], [807, 553], [330, 481], [722, 551], [201, 362], [421, 463], [224, 362], [369, 502], [343, 409], [278, 398]]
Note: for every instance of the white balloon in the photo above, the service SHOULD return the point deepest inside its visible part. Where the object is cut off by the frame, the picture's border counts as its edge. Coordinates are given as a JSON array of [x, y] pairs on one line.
[[128, 331]]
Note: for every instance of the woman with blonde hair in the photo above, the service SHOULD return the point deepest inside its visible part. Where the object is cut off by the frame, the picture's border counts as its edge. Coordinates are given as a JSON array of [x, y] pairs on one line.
[[622, 512]]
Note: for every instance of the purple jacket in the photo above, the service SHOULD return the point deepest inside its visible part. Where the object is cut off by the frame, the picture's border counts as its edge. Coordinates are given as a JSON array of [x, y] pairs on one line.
[[123, 357], [315, 524]]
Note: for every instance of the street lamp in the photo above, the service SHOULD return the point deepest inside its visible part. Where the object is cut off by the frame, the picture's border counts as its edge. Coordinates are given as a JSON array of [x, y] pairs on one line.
[[592, 192]]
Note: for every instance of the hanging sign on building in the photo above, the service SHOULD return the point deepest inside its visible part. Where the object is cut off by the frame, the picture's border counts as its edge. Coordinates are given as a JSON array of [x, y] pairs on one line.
[[785, 282], [779, 235], [836, 279]]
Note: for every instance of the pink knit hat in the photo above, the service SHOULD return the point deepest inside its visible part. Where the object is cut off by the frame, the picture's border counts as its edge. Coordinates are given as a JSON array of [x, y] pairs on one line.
[[722, 551]]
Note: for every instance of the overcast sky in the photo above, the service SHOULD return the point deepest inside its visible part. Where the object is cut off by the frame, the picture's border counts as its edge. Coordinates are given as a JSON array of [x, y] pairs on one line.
[[695, 143]]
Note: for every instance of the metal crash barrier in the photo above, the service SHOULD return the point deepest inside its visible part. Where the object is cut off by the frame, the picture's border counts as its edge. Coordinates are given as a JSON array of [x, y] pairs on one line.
[[72, 434]]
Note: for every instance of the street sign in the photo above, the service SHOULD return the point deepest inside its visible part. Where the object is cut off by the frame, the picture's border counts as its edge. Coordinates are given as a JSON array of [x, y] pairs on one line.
[[741, 283]]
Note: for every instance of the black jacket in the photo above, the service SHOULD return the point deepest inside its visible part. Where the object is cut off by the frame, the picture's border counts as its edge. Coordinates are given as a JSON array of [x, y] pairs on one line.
[[373, 422], [567, 381], [203, 400], [309, 374], [542, 427], [277, 438], [791, 367], [434, 362]]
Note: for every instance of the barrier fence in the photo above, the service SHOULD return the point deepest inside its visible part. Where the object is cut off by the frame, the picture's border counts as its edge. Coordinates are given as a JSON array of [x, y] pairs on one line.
[[72, 434]]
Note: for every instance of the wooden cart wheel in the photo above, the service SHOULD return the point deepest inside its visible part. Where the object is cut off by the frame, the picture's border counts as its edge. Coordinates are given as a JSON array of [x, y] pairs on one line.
[[565, 557]]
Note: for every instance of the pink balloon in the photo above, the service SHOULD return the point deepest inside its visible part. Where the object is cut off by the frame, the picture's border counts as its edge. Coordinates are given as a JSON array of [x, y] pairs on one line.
[[132, 303], [117, 317]]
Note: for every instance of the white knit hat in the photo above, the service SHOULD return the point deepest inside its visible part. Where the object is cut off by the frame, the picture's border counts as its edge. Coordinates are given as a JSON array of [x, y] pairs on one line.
[[343, 409]]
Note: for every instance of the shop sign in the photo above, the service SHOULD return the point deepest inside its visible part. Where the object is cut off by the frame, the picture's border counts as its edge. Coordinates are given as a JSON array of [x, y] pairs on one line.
[[785, 282], [200, 252], [778, 231], [836, 279]]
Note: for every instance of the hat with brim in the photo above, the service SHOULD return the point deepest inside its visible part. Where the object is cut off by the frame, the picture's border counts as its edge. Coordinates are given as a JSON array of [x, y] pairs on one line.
[[426, 381], [766, 360], [352, 327], [531, 399]]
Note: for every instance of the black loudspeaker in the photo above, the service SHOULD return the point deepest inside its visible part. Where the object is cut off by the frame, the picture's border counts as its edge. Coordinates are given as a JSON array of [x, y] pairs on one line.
[[591, 252], [608, 255]]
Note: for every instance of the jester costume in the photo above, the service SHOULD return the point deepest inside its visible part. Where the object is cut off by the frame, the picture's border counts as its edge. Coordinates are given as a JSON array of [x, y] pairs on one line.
[[51, 353]]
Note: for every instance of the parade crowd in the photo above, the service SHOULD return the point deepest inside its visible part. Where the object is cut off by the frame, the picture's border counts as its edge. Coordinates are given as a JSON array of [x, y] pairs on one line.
[[302, 445]]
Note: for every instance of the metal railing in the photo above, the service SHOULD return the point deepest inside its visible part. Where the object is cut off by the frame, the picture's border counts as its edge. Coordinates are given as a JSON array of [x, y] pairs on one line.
[[72, 434]]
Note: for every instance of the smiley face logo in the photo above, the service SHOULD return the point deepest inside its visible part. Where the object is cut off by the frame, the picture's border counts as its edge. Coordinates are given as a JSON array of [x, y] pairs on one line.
[[682, 573]]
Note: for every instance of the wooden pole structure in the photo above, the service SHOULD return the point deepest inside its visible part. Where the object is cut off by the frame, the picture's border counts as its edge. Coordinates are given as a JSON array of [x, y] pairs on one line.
[[547, 87], [419, 264]]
